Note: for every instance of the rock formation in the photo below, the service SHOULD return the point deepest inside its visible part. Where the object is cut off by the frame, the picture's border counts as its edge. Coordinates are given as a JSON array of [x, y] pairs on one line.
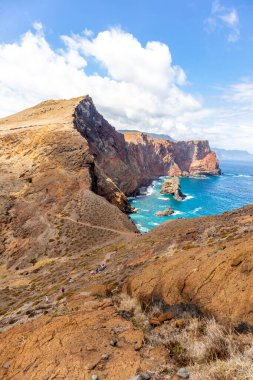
[[166, 212], [133, 159], [150, 157], [172, 186]]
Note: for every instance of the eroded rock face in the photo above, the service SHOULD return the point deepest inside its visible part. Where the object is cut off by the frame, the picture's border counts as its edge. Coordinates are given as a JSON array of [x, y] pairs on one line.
[[133, 159], [172, 186], [193, 158], [113, 175], [150, 158]]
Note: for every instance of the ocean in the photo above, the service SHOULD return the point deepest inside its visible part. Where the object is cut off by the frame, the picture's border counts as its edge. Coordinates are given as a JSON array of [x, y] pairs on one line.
[[205, 196]]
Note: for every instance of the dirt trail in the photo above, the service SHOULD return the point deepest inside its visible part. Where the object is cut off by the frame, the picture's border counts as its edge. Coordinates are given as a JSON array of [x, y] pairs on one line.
[[98, 227]]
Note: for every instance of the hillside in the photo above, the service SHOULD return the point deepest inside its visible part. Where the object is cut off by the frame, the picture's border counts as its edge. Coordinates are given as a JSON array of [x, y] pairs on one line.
[[82, 293], [189, 268], [61, 162]]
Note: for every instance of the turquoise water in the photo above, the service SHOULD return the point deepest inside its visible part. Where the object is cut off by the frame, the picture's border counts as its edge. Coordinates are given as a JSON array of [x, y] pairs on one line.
[[205, 196]]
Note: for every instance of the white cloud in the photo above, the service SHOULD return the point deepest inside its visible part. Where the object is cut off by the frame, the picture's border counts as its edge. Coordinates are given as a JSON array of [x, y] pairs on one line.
[[140, 87], [224, 17], [233, 123]]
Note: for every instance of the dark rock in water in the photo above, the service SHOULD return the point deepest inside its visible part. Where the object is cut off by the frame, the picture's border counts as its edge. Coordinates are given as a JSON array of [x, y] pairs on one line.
[[166, 212], [172, 186], [143, 190]]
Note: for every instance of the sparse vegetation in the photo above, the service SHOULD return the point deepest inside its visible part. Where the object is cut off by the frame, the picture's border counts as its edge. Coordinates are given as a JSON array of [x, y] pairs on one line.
[[208, 349], [131, 308], [33, 261]]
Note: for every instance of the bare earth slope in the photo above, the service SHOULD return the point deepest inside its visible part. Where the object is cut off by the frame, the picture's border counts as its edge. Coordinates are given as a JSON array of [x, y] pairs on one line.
[[189, 267], [48, 172], [206, 261]]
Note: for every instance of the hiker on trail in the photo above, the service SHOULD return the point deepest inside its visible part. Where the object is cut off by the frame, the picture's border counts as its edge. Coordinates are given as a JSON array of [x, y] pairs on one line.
[[47, 299], [103, 267], [98, 268], [62, 289]]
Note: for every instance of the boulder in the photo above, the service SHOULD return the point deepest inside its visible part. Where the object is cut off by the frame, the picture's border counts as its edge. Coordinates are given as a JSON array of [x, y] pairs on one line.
[[166, 317]]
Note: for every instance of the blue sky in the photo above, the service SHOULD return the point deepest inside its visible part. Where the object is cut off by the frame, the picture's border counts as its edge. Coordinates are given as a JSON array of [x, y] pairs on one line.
[[205, 91]]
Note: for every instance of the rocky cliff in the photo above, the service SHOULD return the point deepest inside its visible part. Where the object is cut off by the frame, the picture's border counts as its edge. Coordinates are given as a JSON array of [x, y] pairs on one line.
[[50, 188], [59, 156], [133, 159], [152, 157]]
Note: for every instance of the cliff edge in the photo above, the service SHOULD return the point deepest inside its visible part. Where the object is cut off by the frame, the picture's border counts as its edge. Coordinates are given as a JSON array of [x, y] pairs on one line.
[[133, 159]]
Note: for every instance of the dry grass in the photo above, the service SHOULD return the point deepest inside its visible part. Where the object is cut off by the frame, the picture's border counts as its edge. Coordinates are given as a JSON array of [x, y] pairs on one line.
[[209, 350], [201, 341], [237, 367], [132, 308]]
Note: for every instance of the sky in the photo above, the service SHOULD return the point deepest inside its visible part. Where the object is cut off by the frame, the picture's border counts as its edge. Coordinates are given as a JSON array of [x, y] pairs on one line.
[[184, 68]]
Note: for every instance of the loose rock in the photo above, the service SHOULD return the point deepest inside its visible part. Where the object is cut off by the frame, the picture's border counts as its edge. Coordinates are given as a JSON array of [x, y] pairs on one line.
[[145, 376], [113, 342], [154, 321], [6, 365], [165, 317], [105, 357], [183, 373]]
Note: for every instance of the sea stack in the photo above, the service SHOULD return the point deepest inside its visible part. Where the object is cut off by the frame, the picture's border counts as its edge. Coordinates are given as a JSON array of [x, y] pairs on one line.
[[166, 212], [172, 186]]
